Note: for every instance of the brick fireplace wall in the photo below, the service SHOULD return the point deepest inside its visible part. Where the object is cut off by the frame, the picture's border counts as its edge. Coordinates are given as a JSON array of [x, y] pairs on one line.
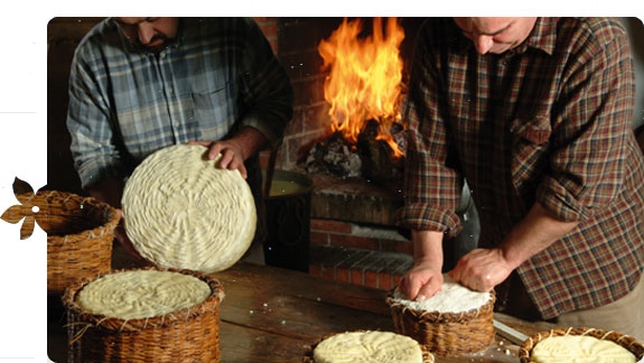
[[353, 238]]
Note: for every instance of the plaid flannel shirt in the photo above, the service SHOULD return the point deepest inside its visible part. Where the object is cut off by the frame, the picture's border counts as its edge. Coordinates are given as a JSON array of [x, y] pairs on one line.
[[546, 122], [125, 103]]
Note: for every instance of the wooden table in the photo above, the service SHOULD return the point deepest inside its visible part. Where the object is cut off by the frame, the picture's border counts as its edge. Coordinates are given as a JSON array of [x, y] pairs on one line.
[[272, 315]]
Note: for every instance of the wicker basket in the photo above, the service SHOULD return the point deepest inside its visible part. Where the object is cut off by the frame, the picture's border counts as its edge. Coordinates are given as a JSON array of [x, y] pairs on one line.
[[80, 233], [187, 335], [446, 334], [628, 342], [428, 357]]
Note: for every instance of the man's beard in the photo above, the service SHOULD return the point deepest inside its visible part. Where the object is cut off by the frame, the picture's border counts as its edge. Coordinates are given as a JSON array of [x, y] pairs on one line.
[[156, 44]]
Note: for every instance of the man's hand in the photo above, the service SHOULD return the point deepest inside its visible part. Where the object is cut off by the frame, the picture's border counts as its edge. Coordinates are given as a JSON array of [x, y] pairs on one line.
[[234, 151], [481, 269], [422, 282], [232, 154], [425, 279]]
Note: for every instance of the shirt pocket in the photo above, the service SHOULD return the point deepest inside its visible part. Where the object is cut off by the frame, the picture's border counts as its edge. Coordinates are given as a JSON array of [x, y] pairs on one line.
[[530, 143], [214, 111]]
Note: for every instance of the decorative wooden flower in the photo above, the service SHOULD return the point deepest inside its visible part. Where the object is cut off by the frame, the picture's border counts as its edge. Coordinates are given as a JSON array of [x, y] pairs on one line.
[[27, 210]]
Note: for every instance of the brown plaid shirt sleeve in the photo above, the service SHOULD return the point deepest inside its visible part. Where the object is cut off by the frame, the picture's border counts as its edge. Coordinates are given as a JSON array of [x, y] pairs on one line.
[[547, 122]]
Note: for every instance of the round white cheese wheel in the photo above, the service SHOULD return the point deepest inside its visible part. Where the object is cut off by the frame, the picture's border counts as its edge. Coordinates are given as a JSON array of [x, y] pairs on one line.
[[580, 349], [142, 294], [181, 211], [368, 347]]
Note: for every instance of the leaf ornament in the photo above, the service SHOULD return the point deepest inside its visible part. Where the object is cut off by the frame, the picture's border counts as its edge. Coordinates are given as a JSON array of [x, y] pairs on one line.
[[26, 210]]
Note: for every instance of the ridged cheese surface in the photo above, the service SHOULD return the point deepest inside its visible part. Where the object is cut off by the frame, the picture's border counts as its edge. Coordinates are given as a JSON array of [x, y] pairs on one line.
[[182, 211], [579, 349], [142, 294], [368, 347]]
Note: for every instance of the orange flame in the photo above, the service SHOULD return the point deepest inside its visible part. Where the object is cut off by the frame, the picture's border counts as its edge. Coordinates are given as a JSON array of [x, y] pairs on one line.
[[364, 81]]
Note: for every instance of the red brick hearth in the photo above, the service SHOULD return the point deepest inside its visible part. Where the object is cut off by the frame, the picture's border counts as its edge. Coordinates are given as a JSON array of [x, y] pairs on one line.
[[352, 234]]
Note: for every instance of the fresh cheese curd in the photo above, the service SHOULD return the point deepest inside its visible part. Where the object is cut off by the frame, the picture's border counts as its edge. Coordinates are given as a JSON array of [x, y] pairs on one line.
[[454, 298], [142, 294], [368, 347], [183, 212], [579, 349]]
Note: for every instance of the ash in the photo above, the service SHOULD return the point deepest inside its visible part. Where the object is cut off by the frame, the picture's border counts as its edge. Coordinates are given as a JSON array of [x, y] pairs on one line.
[[334, 155], [369, 157]]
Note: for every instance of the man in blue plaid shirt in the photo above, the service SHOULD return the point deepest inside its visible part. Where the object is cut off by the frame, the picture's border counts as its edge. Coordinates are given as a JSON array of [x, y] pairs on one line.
[[138, 85]]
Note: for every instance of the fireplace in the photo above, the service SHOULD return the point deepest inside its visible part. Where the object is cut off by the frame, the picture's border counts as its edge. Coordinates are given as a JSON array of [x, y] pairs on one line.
[[350, 198], [352, 231]]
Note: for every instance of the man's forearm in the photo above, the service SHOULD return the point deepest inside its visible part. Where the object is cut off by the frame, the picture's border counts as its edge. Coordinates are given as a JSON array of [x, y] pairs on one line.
[[251, 140], [533, 234], [428, 247]]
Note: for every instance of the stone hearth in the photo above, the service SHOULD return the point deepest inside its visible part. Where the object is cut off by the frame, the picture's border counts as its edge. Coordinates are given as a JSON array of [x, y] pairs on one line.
[[353, 236], [354, 200]]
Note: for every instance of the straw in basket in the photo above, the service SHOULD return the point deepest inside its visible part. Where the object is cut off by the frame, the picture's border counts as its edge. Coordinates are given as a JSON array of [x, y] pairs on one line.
[[187, 335]]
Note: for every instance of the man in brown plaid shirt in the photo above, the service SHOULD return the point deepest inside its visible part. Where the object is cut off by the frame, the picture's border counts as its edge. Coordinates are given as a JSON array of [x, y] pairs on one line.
[[535, 113]]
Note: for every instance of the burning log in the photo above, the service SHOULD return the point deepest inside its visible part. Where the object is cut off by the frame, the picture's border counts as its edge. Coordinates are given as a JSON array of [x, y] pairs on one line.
[[371, 157], [380, 162], [363, 90]]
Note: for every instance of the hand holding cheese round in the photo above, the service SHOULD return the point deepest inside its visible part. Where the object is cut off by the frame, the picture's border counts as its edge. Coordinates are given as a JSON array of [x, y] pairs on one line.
[[181, 211]]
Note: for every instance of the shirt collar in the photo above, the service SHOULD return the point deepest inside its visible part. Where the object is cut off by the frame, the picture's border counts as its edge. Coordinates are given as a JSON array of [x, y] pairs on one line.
[[542, 37]]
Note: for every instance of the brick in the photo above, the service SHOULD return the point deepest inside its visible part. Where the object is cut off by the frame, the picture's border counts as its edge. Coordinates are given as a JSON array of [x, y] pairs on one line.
[[388, 245], [319, 238], [396, 263], [353, 241], [403, 267], [396, 279], [269, 27], [330, 226], [387, 274], [372, 267], [357, 276], [385, 280], [382, 270], [327, 272], [315, 269], [356, 258], [342, 274], [371, 278]]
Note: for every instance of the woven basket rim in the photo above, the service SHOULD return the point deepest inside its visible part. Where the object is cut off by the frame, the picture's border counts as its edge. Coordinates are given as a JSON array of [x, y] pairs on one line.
[[439, 317], [118, 324], [428, 357], [113, 217], [624, 340]]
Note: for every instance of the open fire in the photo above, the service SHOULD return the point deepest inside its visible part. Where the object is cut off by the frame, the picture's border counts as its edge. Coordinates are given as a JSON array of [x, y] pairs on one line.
[[363, 90]]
